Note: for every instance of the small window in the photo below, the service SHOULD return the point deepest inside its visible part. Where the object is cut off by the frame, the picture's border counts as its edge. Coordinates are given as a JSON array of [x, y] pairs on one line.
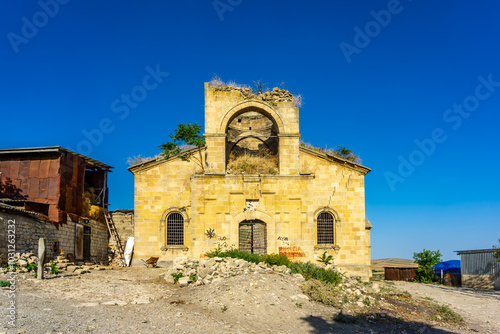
[[325, 228], [175, 229]]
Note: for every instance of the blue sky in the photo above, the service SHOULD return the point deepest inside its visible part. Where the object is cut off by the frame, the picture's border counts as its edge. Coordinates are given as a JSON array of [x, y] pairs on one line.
[[413, 87]]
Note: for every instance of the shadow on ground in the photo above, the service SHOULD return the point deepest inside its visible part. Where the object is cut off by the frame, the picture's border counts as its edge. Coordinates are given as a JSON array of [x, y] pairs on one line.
[[344, 323]]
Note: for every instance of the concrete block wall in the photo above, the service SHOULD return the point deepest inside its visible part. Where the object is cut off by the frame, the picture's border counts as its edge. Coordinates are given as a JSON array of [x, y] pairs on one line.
[[29, 230]]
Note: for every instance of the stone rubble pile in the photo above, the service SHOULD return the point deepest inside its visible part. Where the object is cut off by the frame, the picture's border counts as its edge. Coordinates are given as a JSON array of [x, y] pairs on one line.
[[63, 265], [274, 96], [190, 272], [206, 271]]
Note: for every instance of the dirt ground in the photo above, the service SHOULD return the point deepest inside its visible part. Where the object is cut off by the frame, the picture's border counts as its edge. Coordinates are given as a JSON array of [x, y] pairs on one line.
[[137, 300], [481, 308]]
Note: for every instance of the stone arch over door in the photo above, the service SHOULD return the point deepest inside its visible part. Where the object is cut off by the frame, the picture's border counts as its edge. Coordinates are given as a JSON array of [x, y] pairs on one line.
[[255, 215]]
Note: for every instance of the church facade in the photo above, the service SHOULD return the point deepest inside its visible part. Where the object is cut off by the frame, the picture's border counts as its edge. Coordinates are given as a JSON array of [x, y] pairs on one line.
[[258, 189]]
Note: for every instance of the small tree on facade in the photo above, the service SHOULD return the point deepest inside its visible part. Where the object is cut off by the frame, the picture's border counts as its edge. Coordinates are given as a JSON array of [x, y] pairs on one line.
[[187, 134], [426, 260]]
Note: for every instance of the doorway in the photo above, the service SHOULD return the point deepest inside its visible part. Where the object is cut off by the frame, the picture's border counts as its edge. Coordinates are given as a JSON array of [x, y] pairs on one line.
[[253, 236]]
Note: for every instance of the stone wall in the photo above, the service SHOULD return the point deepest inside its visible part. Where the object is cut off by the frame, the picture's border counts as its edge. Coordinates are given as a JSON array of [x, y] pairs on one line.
[[224, 104], [28, 230], [215, 204], [287, 204], [124, 222], [478, 281]]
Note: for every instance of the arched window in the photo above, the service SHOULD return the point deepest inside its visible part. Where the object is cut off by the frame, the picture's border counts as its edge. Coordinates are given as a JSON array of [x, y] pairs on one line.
[[325, 228], [175, 229]]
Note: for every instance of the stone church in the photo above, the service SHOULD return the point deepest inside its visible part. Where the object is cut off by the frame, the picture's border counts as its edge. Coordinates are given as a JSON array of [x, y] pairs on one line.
[[257, 189]]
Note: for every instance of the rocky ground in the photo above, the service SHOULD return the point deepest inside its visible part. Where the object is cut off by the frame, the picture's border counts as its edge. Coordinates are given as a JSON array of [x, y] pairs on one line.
[[265, 300]]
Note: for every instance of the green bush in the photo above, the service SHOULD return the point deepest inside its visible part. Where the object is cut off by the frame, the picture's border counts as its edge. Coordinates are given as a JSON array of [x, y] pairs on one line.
[[176, 277], [426, 260], [275, 259], [31, 267], [4, 283], [311, 271], [235, 254], [325, 259], [53, 268]]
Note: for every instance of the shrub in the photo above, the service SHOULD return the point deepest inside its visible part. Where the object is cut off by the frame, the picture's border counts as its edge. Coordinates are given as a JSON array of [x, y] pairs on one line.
[[235, 254], [53, 269], [275, 259], [325, 259], [321, 292], [176, 277], [311, 271], [426, 260], [4, 283], [31, 267]]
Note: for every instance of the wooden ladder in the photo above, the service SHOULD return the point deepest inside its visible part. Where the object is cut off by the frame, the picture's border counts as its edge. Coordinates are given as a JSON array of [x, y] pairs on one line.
[[114, 234]]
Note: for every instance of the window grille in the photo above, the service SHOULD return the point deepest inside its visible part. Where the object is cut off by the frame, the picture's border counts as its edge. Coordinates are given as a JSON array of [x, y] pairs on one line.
[[175, 229], [325, 228]]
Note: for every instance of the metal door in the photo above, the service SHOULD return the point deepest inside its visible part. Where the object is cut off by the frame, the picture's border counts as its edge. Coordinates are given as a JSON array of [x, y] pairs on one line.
[[252, 237]]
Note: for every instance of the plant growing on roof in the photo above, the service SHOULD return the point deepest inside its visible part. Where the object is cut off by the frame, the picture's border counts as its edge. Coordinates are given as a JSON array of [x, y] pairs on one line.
[[190, 135]]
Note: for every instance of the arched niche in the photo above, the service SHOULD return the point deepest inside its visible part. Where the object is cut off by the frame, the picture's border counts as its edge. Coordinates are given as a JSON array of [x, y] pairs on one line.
[[252, 141]]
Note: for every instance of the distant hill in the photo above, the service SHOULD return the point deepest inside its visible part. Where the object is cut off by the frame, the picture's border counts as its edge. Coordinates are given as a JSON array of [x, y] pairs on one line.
[[379, 264]]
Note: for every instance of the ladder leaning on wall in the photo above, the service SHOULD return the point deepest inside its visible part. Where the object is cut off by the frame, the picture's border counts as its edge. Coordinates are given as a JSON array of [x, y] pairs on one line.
[[114, 234]]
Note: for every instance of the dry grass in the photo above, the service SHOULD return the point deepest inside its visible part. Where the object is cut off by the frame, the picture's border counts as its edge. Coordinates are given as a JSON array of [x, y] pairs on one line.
[[253, 164], [89, 209], [335, 152]]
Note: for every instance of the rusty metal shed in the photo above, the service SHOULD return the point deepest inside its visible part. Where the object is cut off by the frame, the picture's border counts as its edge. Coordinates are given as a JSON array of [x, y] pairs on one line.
[[400, 273], [51, 180]]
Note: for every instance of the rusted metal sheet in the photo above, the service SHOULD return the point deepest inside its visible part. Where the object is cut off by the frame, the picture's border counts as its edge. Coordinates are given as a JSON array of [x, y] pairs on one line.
[[399, 273], [43, 172], [34, 167], [14, 167], [52, 175]]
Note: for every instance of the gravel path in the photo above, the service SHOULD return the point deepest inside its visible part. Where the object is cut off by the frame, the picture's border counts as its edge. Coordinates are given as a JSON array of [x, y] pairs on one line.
[[480, 308]]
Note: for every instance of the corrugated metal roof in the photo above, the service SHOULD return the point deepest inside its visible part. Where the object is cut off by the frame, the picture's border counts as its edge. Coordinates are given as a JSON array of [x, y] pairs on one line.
[[52, 149], [17, 209], [474, 251]]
